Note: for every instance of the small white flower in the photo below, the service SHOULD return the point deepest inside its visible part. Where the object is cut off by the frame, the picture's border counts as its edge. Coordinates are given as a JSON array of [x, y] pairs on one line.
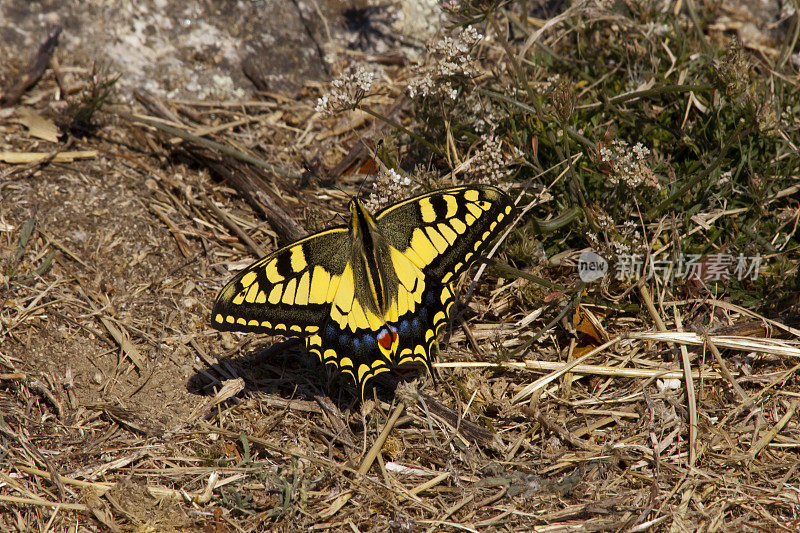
[[449, 58], [388, 186], [628, 165], [347, 91], [490, 164]]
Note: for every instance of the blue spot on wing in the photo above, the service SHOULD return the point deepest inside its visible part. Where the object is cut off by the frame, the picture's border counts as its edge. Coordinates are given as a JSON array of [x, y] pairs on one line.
[[404, 328], [370, 343]]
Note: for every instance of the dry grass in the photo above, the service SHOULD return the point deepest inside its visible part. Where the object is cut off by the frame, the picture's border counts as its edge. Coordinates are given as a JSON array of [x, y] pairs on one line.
[[122, 410]]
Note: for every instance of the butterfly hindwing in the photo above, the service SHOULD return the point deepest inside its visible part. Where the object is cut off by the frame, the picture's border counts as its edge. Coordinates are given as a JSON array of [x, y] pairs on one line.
[[364, 353], [418, 331], [289, 291]]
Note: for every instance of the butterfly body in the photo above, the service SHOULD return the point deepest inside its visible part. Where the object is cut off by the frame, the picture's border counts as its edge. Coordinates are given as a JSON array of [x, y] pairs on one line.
[[372, 295]]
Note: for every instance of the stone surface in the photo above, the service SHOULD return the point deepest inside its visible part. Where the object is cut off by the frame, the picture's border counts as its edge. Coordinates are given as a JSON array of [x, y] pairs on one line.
[[208, 49]]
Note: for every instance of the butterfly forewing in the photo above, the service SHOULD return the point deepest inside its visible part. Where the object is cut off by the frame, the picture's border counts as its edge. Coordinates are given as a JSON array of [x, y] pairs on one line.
[[289, 291], [444, 231]]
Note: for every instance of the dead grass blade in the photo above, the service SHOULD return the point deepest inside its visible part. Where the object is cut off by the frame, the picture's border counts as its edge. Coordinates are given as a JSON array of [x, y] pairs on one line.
[[128, 348], [744, 344], [541, 383], [772, 433], [366, 464]]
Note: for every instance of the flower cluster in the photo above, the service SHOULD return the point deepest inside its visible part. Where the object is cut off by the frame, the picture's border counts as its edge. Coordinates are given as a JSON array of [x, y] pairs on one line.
[[489, 164], [388, 187], [449, 59], [482, 114], [347, 90], [628, 165]]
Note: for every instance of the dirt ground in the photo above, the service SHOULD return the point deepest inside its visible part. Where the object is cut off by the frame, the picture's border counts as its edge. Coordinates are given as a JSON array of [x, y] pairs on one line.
[[121, 220], [123, 410]]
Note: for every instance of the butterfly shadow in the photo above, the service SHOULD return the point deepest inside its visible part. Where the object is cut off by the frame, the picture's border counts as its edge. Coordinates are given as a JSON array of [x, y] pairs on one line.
[[286, 370]]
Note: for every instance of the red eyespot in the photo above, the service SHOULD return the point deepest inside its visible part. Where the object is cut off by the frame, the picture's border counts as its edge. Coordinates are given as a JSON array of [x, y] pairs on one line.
[[387, 337], [385, 340]]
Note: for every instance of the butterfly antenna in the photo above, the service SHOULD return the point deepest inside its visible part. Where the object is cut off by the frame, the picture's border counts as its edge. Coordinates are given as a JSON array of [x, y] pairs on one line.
[[361, 186], [373, 155], [338, 217]]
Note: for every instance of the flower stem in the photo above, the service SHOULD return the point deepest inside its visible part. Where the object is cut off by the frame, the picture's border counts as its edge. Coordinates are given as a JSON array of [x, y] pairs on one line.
[[402, 128]]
